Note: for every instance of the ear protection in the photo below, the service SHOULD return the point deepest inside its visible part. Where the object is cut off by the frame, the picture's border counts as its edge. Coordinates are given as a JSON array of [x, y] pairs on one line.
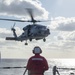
[[37, 50]]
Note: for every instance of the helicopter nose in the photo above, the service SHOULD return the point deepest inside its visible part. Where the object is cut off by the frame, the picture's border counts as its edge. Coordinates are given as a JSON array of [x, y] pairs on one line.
[[48, 31]]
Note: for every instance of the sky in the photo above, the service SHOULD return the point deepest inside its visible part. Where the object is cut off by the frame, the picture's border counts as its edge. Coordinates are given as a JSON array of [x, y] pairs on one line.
[[59, 44]]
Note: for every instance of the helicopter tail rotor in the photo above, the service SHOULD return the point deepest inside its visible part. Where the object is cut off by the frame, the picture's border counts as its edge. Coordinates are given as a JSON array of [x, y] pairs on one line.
[[13, 29]]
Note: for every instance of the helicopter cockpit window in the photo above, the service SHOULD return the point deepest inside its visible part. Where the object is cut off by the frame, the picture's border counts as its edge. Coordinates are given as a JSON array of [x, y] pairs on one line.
[[22, 33], [43, 28], [27, 27]]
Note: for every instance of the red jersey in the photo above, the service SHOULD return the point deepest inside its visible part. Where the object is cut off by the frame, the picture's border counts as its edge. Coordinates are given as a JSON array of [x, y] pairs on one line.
[[37, 65]]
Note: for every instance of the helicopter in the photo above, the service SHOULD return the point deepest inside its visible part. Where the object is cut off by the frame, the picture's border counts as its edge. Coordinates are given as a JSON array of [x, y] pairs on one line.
[[31, 31]]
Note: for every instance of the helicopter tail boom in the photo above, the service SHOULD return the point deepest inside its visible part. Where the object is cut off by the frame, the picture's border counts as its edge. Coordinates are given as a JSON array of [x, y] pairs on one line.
[[11, 38]]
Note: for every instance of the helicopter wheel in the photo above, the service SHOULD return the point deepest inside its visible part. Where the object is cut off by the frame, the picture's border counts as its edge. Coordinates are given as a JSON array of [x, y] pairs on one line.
[[30, 39], [44, 39], [26, 43]]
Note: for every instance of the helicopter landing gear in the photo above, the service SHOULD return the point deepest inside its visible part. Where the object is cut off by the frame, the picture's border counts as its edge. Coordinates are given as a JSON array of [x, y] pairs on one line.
[[26, 43], [30, 39], [44, 39]]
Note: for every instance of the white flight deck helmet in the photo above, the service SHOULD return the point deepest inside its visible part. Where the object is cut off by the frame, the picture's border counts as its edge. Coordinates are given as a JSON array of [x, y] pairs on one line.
[[37, 50]]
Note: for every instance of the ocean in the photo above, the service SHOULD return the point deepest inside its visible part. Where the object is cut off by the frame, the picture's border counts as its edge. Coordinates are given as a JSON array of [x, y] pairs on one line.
[[22, 63], [12, 63]]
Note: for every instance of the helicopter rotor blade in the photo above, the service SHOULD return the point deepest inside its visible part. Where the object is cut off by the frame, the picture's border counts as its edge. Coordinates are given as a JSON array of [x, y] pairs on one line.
[[30, 11], [18, 20], [43, 20], [14, 25], [24, 20], [13, 20]]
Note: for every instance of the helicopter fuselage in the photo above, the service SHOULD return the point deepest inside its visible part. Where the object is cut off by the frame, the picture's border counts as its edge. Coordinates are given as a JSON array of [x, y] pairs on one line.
[[35, 32], [31, 32]]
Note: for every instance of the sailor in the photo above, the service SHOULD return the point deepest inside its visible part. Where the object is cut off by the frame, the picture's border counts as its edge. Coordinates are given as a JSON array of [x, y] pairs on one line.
[[37, 64], [55, 71]]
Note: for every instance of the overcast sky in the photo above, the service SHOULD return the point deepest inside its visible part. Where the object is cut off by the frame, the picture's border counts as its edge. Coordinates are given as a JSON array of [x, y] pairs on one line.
[[61, 42]]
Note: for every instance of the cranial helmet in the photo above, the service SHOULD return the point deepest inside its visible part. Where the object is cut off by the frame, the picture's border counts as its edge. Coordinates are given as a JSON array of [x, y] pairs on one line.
[[37, 50]]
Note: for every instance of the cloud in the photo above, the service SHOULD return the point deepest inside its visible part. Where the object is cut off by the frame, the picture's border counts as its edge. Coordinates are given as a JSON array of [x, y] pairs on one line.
[[4, 32], [63, 24], [64, 41], [63, 31], [61, 42], [68, 36], [17, 8]]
